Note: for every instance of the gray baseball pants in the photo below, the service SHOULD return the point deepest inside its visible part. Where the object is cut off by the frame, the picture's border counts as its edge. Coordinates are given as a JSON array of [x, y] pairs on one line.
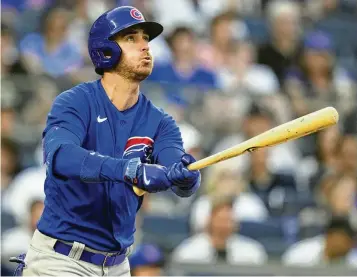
[[41, 259]]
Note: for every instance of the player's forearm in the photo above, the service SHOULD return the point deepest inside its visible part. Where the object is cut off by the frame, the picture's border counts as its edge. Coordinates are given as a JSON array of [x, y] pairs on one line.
[[88, 166], [169, 156], [66, 159]]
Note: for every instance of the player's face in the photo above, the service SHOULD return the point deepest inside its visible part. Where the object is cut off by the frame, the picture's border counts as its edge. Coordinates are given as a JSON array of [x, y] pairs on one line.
[[136, 62]]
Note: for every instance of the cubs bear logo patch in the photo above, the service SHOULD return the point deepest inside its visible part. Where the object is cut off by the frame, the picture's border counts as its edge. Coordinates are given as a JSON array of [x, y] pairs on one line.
[[141, 147]]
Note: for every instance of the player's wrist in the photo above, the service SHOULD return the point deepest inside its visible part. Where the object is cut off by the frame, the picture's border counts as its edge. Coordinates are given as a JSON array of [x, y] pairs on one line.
[[113, 169], [130, 171]]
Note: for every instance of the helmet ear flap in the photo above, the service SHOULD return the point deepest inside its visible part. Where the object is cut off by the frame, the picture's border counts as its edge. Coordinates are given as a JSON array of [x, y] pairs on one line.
[[105, 54]]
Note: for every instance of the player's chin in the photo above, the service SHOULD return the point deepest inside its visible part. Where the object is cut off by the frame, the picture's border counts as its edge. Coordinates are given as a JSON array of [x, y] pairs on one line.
[[144, 71], [142, 74]]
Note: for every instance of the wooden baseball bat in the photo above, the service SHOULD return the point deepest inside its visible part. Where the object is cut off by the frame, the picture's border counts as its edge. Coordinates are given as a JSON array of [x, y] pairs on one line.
[[293, 129]]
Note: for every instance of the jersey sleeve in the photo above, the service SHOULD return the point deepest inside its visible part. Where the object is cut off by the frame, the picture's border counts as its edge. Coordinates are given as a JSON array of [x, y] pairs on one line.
[[70, 111], [168, 146], [63, 138]]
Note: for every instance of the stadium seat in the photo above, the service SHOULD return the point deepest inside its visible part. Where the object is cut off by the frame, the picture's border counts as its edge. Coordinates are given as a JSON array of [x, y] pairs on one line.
[[274, 234], [257, 230], [166, 232]]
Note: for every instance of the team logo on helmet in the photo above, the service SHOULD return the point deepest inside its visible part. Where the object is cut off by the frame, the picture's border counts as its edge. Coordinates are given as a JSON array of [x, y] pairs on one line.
[[136, 14]]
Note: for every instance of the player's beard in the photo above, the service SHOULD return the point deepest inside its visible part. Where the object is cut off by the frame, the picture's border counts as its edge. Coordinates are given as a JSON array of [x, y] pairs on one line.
[[134, 72]]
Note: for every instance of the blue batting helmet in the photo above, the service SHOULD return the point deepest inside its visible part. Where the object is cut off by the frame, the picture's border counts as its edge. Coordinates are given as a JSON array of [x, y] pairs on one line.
[[103, 51]]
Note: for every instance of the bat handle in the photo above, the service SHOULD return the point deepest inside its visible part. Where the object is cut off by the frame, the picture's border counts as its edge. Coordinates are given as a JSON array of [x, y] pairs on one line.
[[193, 166], [139, 192]]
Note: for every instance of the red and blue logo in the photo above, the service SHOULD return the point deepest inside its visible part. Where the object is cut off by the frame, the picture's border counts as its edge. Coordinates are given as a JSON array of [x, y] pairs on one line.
[[136, 14], [139, 147]]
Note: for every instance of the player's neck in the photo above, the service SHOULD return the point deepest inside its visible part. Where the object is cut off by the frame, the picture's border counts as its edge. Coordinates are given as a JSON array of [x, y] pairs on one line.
[[123, 93]]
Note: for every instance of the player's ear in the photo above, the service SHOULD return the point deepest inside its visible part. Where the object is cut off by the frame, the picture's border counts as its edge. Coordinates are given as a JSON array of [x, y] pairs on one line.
[[107, 53]]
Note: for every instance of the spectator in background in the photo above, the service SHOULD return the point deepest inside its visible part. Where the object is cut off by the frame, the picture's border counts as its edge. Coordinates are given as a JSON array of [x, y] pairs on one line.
[[211, 8], [29, 19], [10, 58], [334, 195], [348, 154], [324, 145], [342, 196], [275, 189], [10, 166], [225, 30], [146, 260], [242, 74], [26, 186], [315, 82], [319, 10], [10, 162], [333, 247], [79, 26], [283, 49], [223, 182], [83, 13], [16, 241], [14, 90], [184, 70], [50, 51], [183, 76], [175, 13], [219, 242], [8, 115]]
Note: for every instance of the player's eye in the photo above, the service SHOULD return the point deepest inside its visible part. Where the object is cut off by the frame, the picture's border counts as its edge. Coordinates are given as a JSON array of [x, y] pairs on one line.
[[146, 38], [130, 38]]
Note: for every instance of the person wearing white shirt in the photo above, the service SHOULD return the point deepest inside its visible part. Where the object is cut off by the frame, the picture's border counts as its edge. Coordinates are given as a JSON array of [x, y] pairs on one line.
[[220, 242], [225, 181], [333, 247], [16, 241]]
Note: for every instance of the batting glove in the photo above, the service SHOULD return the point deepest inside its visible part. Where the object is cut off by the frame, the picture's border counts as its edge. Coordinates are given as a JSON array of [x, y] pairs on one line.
[[184, 182], [148, 177]]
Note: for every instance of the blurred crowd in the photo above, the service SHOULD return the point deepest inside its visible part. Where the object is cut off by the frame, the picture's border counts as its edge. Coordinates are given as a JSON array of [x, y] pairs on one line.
[[226, 70]]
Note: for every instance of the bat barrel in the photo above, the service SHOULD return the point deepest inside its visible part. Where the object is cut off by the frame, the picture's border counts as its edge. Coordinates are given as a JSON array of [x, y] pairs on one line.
[[294, 129]]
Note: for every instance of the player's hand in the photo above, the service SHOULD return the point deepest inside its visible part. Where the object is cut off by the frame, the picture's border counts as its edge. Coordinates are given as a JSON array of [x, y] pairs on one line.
[[148, 177], [184, 182]]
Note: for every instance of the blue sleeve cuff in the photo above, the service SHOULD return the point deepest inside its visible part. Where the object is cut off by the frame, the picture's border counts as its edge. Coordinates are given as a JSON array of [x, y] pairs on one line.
[[113, 169], [91, 167]]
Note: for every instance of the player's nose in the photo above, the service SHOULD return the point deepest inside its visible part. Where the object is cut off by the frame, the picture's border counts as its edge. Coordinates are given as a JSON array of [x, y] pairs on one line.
[[145, 46]]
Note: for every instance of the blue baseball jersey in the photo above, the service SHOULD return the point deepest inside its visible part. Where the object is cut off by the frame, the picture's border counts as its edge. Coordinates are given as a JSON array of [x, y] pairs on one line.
[[102, 215]]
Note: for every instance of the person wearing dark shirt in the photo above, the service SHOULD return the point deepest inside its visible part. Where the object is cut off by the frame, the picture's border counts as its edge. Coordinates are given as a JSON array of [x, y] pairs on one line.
[[283, 49], [275, 189]]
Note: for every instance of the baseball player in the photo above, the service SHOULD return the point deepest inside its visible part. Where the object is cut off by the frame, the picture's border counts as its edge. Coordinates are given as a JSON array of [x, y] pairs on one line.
[[101, 139]]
